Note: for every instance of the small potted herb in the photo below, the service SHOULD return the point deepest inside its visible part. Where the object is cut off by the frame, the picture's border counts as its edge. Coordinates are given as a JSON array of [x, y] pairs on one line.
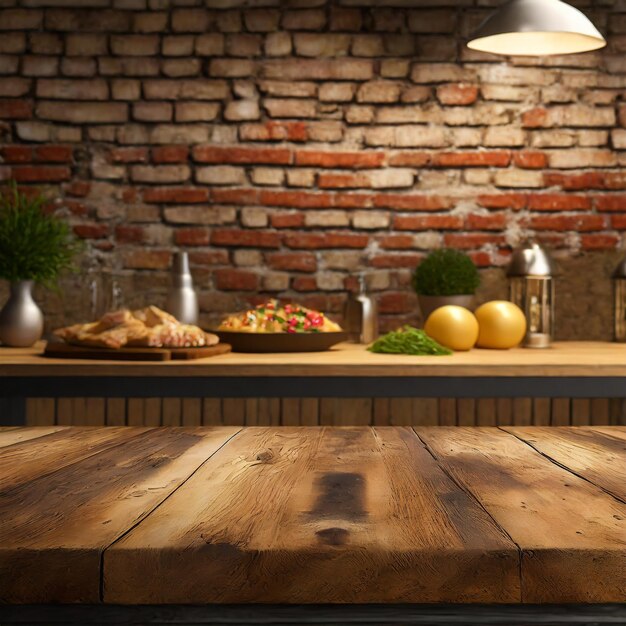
[[445, 276], [35, 247]]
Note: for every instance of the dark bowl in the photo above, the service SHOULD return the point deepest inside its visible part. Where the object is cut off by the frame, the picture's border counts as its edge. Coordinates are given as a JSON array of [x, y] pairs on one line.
[[280, 342]]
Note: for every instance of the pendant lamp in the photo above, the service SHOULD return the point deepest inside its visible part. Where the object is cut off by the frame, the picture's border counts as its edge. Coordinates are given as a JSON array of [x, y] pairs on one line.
[[536, 28]]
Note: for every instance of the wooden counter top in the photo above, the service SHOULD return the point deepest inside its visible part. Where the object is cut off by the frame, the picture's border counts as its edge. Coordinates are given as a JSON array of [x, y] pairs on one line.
[[587, 359], [313, 515]]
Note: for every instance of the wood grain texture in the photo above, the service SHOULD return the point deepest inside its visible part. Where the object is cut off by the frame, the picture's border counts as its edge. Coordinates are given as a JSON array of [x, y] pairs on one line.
[[599, 458], [571, 533], [40, 411], [55, 528], [13, 435], [563, 359], [316, 515]]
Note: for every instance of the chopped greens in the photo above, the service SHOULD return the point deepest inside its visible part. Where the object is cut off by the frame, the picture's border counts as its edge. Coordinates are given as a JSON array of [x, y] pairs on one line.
[[408, 340]]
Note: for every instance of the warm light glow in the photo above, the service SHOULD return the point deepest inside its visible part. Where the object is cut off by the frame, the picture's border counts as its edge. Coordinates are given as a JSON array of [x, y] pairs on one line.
[[528, 44], [536, 28]]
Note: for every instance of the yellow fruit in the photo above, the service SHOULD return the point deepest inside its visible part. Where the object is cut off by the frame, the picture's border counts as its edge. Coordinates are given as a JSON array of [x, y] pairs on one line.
[[452, 326], [502, 325]]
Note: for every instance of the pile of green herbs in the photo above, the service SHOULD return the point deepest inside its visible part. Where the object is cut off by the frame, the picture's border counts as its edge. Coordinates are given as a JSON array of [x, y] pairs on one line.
[[408, 340]]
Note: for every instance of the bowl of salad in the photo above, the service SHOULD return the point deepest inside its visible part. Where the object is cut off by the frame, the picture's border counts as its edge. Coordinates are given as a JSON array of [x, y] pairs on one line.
[[275, 327]]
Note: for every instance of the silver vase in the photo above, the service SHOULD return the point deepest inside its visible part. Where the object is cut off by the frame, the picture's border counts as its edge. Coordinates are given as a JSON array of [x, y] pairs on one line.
[[21, 320], [182, 301]]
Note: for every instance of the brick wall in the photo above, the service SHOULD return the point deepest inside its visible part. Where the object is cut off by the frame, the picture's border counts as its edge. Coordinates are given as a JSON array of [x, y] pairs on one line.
[[290, 145]]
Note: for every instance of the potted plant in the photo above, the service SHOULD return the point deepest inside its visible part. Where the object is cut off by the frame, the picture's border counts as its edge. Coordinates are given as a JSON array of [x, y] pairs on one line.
[[445, 276], [35, 246]]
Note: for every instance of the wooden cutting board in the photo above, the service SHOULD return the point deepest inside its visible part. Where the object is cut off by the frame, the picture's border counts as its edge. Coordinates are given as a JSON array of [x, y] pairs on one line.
[[60, 350]]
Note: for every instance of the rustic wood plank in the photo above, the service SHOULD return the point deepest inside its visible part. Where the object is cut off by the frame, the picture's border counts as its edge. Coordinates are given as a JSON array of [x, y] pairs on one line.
[[61, 549], [65, 411], [171, 412], [486, 413], [570, 532], [135, 411], [600, 415], [116, 412], [596, 457], [234, 411], [400, 412], [192, 412], [315, 515], [79, 411], [252, 411], [11, 436], [618, 432], [95, 410], [425, 411], [504, 410], [153, 412], [31, 459], [269, 411], [381, 412], [40, 411]]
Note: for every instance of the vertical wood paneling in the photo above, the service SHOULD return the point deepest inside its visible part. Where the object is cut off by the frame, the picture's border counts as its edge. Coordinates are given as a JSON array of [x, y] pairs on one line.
[[171, 412], [486, 414], [269, 412], [600, 412], [64, 411], [95, 411], [504, 411], [447, 411], [290, 411], [400, 411], [541, 411], [192, 412], [581, 411], [309, 412], [522, 411], [40, 411], [152, 408], [466, 411], [561, 411], [381, 411], [234, 411], [425, 412], [252, 411], [211, 411], [116, 412]]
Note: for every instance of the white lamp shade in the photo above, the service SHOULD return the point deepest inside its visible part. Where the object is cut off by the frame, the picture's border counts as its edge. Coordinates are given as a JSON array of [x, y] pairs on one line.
[[536, 28]]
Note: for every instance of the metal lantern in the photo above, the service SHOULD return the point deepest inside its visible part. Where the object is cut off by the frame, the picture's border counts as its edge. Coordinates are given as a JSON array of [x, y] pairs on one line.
[[619, 301], [531, 275]]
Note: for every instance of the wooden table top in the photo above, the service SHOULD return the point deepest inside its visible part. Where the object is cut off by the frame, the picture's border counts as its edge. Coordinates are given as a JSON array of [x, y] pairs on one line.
[[592, 359], [312, 515]]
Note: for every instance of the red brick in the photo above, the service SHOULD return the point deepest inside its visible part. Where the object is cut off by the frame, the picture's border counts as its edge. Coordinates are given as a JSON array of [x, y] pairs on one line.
[[192, 237], [125, 233], [16, 154], [170, 154], [275, 131], [209, 257], [246, 238], [427, 222], [295, 199], [353, 200], [481, 258], [304, 283], [558, 202], [54, 154], [413, 202], [176, 195], [586, 180], [214, 154], [502, 201], [396, 302], [619, 221], [535, 118], [327, 240], [78, 188], [147, 259], [396, 242], [494, 221], [234, 196], [468, 241], [91, 231], [41, 174], [75, 207], [500, 158], [15, 110], [287, 220], [599, 242], [457, 94], [352, 160], [529, 159], [396, 260], [615, 202], [236, 280], [342, 181], [409, 159], [295, 262], [568, 222], [128, 155]]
